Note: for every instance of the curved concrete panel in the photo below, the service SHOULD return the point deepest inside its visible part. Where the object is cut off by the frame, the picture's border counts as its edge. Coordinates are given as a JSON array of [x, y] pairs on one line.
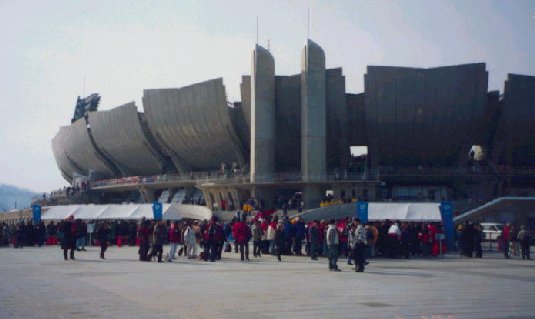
[[80, 149], [118, 133], [245, 89], [193, 125], [419, 116], [242, 130], [65, 165]]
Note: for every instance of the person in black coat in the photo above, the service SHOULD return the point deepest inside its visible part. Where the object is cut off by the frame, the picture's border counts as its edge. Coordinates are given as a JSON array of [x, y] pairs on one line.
[[279, 240], [69, 234], [102, 236]]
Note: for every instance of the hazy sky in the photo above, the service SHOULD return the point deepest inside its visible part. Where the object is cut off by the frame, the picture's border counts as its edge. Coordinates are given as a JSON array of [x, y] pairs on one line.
[[123, 47]]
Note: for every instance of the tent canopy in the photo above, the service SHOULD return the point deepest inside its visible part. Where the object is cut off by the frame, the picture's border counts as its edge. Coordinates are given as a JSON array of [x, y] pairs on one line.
[[380, 211], [125, 211], [178, 211], [404, 211]]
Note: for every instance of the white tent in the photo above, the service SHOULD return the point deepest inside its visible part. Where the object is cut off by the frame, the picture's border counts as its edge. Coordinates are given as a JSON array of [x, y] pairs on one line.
[[180, 211], [145, 210], [89, 211], [379, 211], [404, 211], [118, 211], [58, 212]]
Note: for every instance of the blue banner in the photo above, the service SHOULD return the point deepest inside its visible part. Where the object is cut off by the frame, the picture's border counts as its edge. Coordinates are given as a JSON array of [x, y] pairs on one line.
[[362, 212], [36, 214], [157, 210], [446, 212]]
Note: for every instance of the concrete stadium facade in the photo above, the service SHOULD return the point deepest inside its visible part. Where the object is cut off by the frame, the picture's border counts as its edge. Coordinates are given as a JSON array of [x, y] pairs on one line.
[[292, 134]]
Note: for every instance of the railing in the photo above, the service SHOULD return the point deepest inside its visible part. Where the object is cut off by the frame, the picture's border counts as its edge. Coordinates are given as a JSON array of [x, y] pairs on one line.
[[231, 177]]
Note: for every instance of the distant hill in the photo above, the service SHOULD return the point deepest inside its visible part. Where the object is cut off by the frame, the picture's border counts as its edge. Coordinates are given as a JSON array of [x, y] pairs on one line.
[[10, 194]]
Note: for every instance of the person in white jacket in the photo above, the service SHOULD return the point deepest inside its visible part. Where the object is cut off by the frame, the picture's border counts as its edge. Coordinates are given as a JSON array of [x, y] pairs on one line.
[[191, 242], [360, 247], [332, 239], [270, 236]]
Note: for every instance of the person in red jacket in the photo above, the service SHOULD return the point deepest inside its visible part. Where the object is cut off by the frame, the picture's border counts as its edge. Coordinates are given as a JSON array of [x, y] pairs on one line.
[[505, 240], [242, 235]]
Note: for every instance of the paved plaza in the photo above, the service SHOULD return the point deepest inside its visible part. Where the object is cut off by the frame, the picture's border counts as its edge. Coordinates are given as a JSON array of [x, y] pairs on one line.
[[38, 283]]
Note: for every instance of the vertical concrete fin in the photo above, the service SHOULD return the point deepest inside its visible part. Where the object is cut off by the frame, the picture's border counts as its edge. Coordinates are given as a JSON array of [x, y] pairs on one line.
[[262, 114], [313, 112]]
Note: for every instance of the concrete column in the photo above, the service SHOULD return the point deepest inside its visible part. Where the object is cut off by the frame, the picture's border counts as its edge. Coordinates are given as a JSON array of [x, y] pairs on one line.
[[313, 113], [262, 114], [147, 194], [312, 195]]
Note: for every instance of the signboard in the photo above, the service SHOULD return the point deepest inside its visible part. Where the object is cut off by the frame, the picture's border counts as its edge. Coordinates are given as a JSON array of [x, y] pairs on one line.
[[446, 212], [362, 212], [157, 209], [36, 214]]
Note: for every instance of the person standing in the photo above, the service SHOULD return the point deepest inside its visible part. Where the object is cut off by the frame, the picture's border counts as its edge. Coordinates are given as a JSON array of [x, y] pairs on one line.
[[360, 246], [143, 234], [212, 236], [279, 240], [158, 234], [81, 227], [241, 233], [102, 236], [525, 241], [190, 242], [478, 238], [332, 239], [505, 240], [313, 237], [69, 233], [468, 240], [272, 228], [174, 239], [40, 233], [299, 236], [257, 239]]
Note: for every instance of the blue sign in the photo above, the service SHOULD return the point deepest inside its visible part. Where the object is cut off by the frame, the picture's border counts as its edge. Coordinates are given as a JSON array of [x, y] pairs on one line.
[[446, 212], [157, 210], [36, 214], [362, 212]]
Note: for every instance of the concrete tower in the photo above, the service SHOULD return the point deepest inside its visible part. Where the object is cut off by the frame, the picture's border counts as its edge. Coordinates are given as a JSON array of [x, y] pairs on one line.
[[262, 115], [313, 120]]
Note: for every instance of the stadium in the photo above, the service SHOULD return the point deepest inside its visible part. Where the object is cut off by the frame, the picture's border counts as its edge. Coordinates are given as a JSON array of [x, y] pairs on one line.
[[423, 135]]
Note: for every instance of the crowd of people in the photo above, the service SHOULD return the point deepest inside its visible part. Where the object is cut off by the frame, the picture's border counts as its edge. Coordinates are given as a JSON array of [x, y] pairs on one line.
[[207, 240], [470, 236]]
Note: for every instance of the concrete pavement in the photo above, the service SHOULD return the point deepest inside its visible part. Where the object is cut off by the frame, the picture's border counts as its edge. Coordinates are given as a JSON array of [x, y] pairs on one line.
[[38, 283]]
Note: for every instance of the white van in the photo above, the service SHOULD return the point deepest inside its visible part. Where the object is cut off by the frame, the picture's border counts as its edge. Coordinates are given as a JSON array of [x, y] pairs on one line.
[[492, 231]]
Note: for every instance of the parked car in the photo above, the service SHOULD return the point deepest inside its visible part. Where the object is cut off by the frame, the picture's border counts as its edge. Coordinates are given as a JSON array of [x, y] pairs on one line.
[[492, 231]]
